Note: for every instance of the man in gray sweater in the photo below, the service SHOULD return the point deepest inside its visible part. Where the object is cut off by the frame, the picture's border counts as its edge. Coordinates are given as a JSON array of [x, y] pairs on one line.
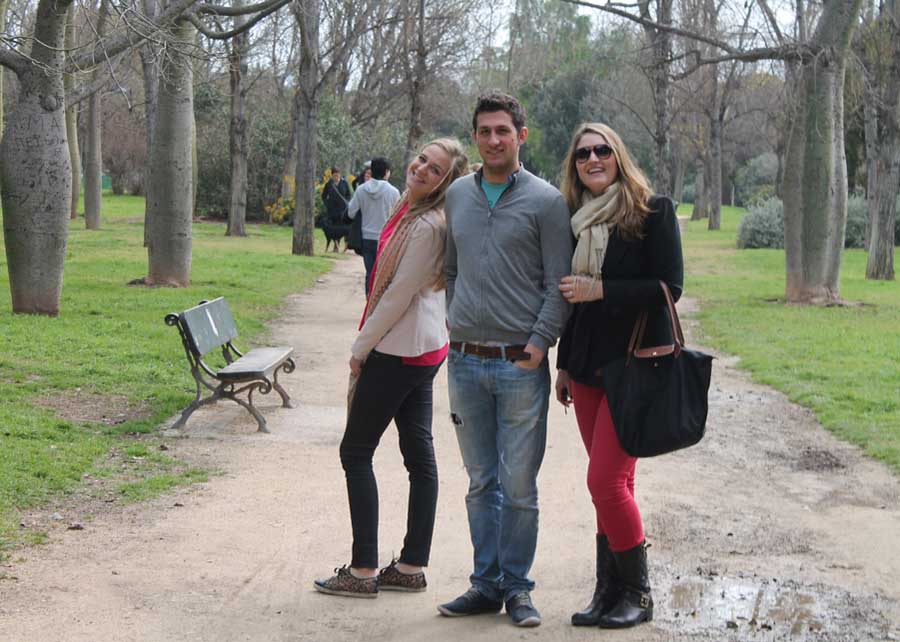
[[508, 244]]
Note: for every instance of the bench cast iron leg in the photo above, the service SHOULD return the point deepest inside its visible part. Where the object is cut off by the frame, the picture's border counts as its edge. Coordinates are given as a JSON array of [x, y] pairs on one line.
[[285, 399], [260, 420], [196, 403]]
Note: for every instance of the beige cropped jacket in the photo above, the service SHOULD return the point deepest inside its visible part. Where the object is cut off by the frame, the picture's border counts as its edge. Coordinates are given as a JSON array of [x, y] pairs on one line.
[[411, 318]]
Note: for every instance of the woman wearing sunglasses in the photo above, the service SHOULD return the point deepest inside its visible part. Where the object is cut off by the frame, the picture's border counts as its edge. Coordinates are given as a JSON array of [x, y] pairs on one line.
[[401, 344], [627, 241]]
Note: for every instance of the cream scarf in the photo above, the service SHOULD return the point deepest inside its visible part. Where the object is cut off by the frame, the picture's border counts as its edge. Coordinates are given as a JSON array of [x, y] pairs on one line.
[[590, 225]]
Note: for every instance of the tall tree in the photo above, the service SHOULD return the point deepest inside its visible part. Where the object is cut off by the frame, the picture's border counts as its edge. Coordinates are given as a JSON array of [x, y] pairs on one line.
[[884, 73], [93, 149], [659, 36], [149, 53], [169, 194], [238, 143], [314, 75], [815, 185], [415, 76], [35, 171], [72, 119]]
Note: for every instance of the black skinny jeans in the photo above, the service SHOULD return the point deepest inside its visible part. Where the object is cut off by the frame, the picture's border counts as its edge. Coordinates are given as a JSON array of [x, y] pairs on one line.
[[388, 390]]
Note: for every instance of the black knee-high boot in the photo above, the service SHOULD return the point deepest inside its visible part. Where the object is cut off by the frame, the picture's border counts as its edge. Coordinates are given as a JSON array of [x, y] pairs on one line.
[[606, 592], [635, 604]]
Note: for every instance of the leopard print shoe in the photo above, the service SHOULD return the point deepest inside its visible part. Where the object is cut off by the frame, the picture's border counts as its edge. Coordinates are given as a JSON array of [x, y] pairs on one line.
[[390, 579], [343, 582]]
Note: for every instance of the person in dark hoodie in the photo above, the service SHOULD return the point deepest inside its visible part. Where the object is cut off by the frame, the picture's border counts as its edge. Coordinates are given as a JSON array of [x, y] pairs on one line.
[[374, 201]]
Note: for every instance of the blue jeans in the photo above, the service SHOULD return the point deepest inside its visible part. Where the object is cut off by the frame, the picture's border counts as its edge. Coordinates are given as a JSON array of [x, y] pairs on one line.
[[369, 252], [500, 414]]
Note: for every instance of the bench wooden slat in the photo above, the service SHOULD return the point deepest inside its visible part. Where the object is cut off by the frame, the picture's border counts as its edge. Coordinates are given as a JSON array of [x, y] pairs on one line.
[[210, 325], [256, 364]]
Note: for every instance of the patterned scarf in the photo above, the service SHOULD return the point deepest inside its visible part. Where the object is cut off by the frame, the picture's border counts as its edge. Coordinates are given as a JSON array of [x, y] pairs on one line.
[[385, 269], [390, 257], [590, 225]]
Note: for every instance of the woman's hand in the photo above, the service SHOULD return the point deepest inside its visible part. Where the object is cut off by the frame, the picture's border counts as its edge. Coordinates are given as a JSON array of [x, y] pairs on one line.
[[563, 394], [578, 289], [355, 366]]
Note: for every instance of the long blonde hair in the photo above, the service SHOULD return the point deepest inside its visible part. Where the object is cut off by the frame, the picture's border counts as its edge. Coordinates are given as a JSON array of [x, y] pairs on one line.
[[634, 186], [459, 166]]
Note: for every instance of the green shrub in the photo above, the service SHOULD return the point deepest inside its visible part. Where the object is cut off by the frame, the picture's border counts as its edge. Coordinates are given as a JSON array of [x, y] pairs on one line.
[[857, 215], [762, 226]]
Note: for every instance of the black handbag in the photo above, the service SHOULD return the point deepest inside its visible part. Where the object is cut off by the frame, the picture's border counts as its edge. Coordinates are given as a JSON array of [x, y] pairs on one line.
[[354, 237], [658, 395]]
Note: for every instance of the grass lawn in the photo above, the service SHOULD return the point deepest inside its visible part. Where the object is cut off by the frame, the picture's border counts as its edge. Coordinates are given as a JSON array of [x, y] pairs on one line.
[[842, 362], [109, 350]]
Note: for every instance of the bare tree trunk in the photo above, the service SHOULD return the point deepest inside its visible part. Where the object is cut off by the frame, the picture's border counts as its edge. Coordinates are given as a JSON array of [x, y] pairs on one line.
[[307, 15], [289, 174], [93, 153], [880, 264], [149, 53], [679, 167], [72, 120], [714, 157], [170, 190], [661, 42], [416, 86], [870, 120], [4, 7], [701, 202], [93, 164], [238, 143], [815, 184], [195, 156], [35, 173]]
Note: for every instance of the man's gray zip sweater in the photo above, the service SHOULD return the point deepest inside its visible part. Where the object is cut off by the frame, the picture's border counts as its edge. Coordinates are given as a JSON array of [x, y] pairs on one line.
[[503, 265]]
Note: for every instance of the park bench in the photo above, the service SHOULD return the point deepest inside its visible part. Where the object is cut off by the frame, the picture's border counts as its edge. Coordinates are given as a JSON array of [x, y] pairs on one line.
[[208, 326]]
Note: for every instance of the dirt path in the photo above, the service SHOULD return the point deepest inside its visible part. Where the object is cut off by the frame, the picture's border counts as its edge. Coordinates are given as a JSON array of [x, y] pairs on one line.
[[769, 529]]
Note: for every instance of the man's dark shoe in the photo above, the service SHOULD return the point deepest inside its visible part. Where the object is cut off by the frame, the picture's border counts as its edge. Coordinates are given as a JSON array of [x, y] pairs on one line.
[[522, 611], [472, 602]]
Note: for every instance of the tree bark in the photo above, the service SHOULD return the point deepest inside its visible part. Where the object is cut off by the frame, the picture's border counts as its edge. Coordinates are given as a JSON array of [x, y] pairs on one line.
[[289, 174], [93, 153], [661, 43], [880, 264], [170, 190], [870, 124], [238, 142], [72, 120], [308, 17], [679, 168], [714, 158], [149, 53], [416, 87], [701, 207], [35, 172], [815, 180]]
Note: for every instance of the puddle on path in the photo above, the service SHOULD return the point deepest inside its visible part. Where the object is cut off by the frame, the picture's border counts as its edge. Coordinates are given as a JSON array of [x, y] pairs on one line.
[[766, 609]]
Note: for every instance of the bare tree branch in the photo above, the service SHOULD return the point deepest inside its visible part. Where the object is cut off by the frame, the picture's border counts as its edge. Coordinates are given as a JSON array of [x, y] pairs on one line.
[[271, 7]]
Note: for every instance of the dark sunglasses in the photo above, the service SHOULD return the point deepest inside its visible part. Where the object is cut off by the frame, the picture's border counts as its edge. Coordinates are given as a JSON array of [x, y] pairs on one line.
[[602, 152]]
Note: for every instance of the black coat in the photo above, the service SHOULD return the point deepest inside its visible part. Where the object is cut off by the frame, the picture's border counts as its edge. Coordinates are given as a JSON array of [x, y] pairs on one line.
[[336, 199], [598, 331]]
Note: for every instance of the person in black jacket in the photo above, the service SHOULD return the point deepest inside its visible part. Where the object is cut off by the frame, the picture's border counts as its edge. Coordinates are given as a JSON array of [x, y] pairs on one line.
[[627, 241]]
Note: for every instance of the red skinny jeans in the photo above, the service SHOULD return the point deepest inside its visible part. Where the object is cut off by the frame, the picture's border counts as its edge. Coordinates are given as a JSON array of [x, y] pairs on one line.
[[610, 474]]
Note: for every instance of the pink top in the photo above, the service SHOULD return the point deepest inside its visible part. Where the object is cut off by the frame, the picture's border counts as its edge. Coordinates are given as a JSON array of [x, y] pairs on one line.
[[429, 358]]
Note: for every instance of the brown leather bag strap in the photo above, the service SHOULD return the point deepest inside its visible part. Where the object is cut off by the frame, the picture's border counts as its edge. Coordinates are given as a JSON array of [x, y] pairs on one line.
[[640, 326]]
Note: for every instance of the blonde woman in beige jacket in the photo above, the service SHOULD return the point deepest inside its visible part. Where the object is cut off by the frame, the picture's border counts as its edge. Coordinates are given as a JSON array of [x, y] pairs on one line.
[[401, 344]]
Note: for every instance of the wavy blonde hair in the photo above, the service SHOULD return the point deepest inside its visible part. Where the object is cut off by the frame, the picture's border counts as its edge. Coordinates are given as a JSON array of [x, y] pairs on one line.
[[459, 166], [634, 186]]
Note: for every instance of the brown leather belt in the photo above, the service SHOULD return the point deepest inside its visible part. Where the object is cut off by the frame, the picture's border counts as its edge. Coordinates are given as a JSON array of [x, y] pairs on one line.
[[510, 353]]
